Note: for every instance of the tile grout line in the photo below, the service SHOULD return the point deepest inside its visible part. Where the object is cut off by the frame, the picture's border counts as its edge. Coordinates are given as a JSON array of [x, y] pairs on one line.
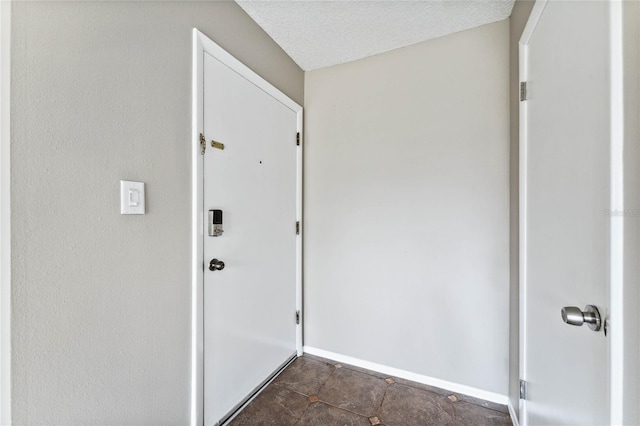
[[382, 400], [308, 396], [318, 394], [343, 409], [326, 380], [346, 409], [302, 415], [288, 388]]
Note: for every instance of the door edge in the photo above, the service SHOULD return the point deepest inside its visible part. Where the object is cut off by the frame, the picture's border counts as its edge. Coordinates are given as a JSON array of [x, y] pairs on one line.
[[525, 39]]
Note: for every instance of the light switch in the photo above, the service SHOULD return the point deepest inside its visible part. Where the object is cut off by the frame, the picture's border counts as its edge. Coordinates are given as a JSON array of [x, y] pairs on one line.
[[134, 198], [131, 197]]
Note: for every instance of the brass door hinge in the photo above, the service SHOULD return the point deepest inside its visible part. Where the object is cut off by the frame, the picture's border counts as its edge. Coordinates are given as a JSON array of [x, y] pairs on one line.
[[203, 144], [214, 144]]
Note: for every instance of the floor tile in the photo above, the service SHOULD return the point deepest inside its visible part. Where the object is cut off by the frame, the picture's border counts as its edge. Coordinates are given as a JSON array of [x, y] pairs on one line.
[[467, 414], [320, 414], [312, 391], [482, 403], [405, 405], [305, 376], [354, 391], [422, 386], [273, 406], [460, 397]]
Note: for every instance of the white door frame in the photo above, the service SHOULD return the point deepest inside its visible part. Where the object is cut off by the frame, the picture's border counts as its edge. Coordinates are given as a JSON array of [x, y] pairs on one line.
[[202, 44], [5, 214], [616, 273]]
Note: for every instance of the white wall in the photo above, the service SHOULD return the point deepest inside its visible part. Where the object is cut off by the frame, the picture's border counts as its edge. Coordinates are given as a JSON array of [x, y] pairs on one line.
[[407, 208], [101, 91]]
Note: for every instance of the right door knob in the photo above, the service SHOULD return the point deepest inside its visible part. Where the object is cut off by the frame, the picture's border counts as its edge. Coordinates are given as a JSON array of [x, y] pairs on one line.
[[574, 316]]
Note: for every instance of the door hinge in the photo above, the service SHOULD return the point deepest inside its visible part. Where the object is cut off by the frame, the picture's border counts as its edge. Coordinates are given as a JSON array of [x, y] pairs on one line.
[[523, 389], [297, 317], [298, 139], [203, 144], [523, 91], [297, 228]]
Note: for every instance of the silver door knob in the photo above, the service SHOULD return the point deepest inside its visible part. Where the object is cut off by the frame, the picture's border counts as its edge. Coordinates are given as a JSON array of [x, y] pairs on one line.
[[574, 316], [216, 265]]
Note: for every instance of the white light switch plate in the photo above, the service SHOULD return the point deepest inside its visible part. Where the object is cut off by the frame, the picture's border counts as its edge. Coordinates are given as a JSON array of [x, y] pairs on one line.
[[131, 197]]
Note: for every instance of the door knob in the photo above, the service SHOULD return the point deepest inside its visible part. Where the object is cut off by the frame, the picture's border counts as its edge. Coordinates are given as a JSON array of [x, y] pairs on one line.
[[216, 265], [574, 316]]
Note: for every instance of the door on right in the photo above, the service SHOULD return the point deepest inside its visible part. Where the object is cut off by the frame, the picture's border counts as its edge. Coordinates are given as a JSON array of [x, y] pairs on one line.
[[565, 207]]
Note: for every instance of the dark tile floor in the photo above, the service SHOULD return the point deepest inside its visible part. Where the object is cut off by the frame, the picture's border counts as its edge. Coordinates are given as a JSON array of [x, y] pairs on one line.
[[315, 391]]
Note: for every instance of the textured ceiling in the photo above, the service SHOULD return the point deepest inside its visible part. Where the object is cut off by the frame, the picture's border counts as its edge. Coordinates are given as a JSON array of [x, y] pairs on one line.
[[319, 33]]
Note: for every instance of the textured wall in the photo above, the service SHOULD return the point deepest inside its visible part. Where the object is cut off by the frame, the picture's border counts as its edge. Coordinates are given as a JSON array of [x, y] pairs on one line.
[[5, 214], [517, 22], [101, 91], [407, 208]]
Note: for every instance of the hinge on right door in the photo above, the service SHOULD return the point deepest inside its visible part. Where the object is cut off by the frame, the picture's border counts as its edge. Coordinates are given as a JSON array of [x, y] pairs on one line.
[[523, 91], [523, 389], [297, 228], [298, 139], [203, 144], [297, 317]]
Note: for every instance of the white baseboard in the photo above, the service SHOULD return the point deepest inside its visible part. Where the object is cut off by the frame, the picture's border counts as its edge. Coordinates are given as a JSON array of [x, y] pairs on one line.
[[408, 375], [512, 413]]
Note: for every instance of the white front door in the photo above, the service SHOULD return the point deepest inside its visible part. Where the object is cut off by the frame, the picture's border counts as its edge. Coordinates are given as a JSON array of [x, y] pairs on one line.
[[250, 304], [565, 200]]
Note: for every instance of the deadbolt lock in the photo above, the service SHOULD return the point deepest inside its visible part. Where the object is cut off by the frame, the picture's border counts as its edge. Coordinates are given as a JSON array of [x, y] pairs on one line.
[[216, 265]]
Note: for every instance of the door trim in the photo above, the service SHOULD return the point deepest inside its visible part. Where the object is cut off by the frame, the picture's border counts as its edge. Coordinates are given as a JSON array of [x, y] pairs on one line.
[[615, 313], [534, 18], [202, 44]]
